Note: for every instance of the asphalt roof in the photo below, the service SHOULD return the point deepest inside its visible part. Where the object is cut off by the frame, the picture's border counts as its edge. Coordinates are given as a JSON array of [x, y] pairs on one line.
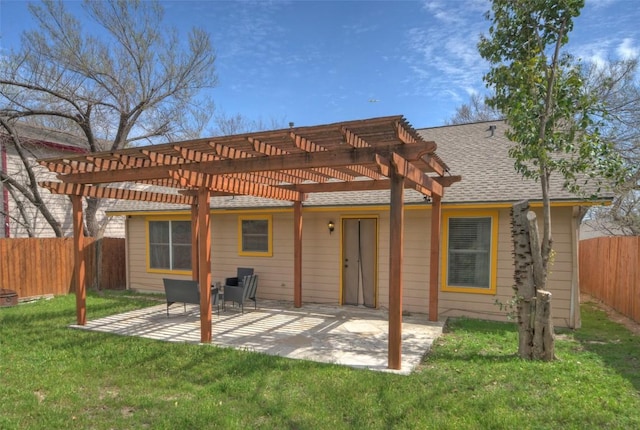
[[477, 152]]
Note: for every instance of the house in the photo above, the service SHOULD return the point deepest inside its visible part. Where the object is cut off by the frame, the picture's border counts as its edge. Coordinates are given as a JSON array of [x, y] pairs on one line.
[[346, 237], [18, 216]]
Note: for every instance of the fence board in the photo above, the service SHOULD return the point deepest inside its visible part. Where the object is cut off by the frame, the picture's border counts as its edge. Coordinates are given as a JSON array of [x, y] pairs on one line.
[[41, 266], [609, 272]]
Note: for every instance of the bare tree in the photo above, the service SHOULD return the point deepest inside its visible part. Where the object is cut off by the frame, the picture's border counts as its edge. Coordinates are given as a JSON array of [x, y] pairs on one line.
[[123, 78], [474, 111], [23, 186], [617, 86], [225, 124]]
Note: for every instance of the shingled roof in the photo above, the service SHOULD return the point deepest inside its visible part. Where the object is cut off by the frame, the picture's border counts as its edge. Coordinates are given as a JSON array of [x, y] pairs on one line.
[[477, 151]]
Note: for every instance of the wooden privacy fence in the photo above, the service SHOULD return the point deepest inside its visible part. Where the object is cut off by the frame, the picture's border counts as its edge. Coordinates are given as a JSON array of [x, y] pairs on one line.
[[609, 272], [40, 266]]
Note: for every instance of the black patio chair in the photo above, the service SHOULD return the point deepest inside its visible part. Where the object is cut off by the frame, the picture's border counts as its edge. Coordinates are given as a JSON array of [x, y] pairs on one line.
[[245, 291], [237, 280]]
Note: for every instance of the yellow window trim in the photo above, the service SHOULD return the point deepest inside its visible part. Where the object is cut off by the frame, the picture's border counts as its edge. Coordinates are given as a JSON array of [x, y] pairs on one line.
[[146, 240], [493, 214], [269, 219]]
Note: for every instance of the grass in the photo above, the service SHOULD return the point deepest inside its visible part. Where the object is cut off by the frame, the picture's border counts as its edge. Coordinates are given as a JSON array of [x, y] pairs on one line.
[[55, 377]]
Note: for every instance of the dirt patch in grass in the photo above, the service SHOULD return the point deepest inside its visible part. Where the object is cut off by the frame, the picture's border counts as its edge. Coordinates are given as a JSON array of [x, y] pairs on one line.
[[612, 314]]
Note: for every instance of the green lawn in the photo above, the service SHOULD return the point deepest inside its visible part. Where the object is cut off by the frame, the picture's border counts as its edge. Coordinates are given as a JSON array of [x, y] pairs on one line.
[[54, 377]]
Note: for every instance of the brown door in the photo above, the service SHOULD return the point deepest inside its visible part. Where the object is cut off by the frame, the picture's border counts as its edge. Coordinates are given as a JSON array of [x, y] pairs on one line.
[[359, 253]]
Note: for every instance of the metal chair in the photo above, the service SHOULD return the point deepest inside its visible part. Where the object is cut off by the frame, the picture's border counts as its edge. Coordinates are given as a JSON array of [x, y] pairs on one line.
[[237, 280], [246, 291]]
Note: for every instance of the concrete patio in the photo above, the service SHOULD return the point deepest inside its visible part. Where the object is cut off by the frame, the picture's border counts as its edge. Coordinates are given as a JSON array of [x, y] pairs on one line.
[[350, 336]]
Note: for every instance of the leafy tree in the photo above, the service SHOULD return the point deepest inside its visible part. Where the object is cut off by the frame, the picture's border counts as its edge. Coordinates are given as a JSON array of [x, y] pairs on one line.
[[116, 76], [552, 120]]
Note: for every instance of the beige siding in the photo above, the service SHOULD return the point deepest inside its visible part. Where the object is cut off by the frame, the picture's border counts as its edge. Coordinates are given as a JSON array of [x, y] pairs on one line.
[[58, 205], [483, 306], [321, 268]]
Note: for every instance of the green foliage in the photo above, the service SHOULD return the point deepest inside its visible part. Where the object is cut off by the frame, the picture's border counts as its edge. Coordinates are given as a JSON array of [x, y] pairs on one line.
[[553, 120], [55, 377]]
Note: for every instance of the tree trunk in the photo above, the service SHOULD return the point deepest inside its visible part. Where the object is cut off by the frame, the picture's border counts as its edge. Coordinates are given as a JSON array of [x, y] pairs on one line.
[[91, 216], [543, 341], [524, 288], [535, 325]]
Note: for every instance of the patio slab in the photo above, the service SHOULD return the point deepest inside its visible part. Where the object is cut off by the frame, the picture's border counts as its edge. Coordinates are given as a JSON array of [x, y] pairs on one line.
[[351, 336]]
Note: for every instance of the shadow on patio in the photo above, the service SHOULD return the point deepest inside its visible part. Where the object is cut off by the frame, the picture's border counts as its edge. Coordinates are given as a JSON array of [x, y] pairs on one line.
[[347, 335]]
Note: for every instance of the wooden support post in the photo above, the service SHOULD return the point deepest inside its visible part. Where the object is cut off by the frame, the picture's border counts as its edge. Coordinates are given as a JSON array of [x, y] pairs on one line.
[[204, 263], [396, 239], [195, 234], [297, 254], [79, 263], [434, 262]]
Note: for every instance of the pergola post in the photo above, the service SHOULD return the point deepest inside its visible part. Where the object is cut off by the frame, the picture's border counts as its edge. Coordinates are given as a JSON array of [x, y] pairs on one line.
[[204, 263], [297, 254], [434, 262], [396, 239], [79, 262], [195, 234]]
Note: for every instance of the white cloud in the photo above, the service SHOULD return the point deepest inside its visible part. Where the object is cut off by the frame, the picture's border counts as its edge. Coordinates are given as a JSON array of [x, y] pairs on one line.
[[443, 54], [627, 49]]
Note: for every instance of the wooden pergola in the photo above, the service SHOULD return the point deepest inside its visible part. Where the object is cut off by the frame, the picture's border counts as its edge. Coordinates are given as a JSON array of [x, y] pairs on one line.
[[288, 164]]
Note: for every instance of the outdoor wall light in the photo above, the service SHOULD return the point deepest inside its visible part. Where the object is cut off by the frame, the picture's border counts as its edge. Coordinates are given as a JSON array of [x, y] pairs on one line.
[[331, 226]]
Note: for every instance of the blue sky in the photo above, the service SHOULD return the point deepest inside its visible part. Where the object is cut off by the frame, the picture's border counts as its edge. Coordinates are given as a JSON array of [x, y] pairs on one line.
[[316, 62]]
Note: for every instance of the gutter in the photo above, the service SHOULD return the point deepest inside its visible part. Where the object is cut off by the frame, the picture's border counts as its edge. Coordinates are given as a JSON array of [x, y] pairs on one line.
[[58, 146]]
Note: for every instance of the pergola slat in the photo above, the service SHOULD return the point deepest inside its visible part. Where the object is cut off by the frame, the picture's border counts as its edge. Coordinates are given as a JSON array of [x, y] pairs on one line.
[[226, 152], [353, 139], [113, 193], [309, 146], [269, 150], [108, 164], [235, 185]]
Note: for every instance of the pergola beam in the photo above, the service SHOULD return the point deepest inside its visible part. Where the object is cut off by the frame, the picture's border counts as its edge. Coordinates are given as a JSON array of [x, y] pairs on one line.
[[234, 153], [235, 186], [388, 168], [113, 193], [341, 157], [309, 146], [433, 164], [271, 150], [425, 183]]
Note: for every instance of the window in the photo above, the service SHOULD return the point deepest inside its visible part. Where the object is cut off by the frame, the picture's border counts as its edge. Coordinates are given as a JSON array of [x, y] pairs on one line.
[[470, 253], [255, 236], [169, 245]]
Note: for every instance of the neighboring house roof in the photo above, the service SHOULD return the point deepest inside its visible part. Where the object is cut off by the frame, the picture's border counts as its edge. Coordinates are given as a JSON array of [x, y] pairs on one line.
[[40, 142], [475, 151], [54, 139]]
